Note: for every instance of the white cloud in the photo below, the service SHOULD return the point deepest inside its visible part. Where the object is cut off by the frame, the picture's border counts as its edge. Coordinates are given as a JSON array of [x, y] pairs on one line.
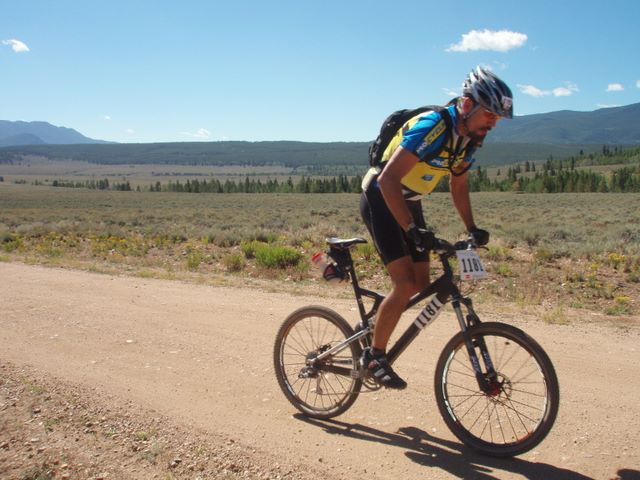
[[500, 41], [107, 117], [16, 45], [533, 91], [606, 105], [615, 87], [565, 91], [201, 134], [129, 131], [638, 84]]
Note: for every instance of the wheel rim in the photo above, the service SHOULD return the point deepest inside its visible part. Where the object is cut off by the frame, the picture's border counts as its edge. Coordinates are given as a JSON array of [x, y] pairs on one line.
[[517, 402], [314, 389]]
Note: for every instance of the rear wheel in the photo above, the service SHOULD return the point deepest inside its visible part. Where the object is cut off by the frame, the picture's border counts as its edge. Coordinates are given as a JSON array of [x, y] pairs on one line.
[[523, 397], [319, 389]]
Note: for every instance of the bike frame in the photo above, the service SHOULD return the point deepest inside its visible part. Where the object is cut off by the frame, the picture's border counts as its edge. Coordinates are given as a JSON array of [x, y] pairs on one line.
[[443, 290]]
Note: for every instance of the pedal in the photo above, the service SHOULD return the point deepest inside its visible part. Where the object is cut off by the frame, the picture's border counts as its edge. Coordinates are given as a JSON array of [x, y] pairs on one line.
[[308, 372], [367, 380], [370, 384]]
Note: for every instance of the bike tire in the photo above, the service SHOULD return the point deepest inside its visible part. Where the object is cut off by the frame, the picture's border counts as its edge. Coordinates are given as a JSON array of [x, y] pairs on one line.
[[519, 412], [303, 335]]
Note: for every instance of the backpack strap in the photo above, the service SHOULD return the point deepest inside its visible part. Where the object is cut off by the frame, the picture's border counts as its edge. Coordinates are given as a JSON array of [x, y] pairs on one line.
[[449, 125], [448, 122]]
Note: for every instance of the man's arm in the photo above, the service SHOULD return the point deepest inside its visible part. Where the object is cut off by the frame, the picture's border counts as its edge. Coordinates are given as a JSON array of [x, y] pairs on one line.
[[389, 180], [459, 186]]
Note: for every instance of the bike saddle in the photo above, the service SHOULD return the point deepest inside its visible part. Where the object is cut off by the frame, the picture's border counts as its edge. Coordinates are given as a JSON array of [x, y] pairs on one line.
[[344, 243]]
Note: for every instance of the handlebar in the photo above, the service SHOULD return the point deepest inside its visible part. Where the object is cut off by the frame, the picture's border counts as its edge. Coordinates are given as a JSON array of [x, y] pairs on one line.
[[447, 249], [424, 239]]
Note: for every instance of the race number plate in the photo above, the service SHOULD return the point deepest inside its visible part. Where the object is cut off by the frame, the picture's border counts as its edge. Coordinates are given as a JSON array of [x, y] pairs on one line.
[[471, 267]]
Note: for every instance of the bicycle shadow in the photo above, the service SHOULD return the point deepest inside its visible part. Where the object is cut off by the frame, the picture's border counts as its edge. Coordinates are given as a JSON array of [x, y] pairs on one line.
[[462, 462]]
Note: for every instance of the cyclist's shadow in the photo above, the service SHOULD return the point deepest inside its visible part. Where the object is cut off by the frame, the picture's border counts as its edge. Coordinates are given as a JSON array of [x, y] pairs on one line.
[[425, 449]]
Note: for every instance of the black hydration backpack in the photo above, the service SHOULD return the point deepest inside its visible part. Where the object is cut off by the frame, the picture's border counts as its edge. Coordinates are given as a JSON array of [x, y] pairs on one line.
[[394, 122]]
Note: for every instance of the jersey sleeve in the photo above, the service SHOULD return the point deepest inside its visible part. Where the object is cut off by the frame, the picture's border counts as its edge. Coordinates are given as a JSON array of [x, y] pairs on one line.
[[425, 136]]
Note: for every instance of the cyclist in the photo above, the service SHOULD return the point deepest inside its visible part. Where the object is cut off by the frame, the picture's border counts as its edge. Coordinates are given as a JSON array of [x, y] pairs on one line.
[[427, 148]]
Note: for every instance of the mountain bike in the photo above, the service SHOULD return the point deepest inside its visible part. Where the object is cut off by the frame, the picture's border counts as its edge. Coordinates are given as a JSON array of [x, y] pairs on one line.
[[494, 385]]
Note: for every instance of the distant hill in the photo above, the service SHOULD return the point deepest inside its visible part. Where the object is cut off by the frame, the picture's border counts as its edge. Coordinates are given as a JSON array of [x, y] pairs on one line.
[[611, 126], [37, 133], [290, 154], [530, 137], [21, 139], [203, 153]]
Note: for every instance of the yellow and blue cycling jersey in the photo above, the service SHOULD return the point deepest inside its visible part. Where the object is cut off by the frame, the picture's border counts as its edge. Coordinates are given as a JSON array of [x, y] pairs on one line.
[[425, 135]]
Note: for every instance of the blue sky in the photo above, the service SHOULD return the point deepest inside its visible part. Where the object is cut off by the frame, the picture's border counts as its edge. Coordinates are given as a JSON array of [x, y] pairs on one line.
[[143, 71]]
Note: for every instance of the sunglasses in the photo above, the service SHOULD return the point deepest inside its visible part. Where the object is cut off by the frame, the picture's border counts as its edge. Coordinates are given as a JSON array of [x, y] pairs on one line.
[[490, 115]]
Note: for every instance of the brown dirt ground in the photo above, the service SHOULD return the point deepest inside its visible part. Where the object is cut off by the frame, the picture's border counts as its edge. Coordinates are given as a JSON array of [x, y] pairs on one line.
[[116, 377]]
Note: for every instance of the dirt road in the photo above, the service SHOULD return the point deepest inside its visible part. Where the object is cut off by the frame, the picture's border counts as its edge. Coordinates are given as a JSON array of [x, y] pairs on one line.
[[201, 356]]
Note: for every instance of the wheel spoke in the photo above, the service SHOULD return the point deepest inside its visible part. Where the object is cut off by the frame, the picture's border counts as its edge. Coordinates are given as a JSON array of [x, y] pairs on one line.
[[522, 401], [307, 385]]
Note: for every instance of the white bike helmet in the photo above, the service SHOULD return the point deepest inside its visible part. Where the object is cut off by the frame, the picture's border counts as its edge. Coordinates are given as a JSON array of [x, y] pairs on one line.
[[489, 91]]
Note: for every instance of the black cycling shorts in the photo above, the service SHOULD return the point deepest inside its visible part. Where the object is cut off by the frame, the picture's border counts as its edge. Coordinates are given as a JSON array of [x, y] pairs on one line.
[[389, 238]]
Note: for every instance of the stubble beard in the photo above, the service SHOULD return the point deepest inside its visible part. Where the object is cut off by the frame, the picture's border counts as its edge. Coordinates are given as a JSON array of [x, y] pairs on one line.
[[479, 135]]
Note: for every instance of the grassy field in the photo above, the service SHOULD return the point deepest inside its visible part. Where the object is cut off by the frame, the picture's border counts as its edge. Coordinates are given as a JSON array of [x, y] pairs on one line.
[[39, 169], [578, 251]]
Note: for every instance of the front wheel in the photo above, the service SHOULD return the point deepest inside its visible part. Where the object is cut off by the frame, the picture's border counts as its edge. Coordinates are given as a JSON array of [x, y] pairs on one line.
[[519, 403], [318, 388]]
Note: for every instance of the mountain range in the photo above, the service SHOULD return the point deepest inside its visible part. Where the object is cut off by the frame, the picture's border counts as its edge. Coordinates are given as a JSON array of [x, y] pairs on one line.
[[532, 138], [613, 126], [40, 133]]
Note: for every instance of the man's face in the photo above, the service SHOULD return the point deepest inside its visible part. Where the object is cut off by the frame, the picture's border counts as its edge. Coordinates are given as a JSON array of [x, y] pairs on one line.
[[480, 123]]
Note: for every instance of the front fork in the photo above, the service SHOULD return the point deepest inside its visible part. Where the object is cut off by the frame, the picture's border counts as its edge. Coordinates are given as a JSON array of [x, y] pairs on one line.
[[488, 380]]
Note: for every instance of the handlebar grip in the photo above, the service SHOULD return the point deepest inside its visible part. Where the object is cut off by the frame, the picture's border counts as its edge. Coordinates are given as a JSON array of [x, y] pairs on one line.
[[446, 247], [463, 245]]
